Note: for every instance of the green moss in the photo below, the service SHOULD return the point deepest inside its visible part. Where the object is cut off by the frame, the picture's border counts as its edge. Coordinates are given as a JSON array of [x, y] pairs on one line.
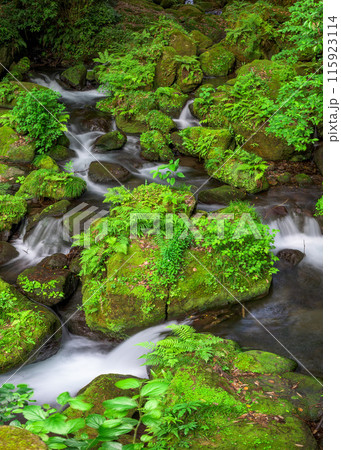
[[56, 210], [165, 71], [171, 101], [131, 125], [75, 76], [19, 69], [45, 162], [157, 120], [189, 78], [303, 179], [12, 210], [182, 43], [13, 149], [59, 153], [46, 183], [18, 87], [28, 335], [13, 438], [10, 173], [114, 140], [284, 178], [223, 195], [155, 147], [264, 362], [202, 41], [217, 61]]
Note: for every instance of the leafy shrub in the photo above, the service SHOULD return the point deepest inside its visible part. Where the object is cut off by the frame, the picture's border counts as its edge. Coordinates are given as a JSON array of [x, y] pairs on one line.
[[12, 210], [39, 115], [319, 207]]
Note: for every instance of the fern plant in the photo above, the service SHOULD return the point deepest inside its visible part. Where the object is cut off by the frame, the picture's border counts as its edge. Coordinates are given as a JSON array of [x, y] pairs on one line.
[[184, 345]]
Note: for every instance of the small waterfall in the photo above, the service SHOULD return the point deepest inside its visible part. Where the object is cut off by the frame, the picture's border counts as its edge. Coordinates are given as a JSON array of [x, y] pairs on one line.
[[186, 118], [189, 2], [300, 233], [80, 360]]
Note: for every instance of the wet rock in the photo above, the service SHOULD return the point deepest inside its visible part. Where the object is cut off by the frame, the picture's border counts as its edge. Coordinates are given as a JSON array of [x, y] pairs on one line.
[[60, 153], [290, 256], [131, 125], [157, 120], [46, 285], [113, 140], [45, 162], [7, 252], [13, 149], [39, 336], [75, 77], [303, 179], [97, 121], [154, 147], [217, 61], [276, 211], [223, 195], [284, 178], [172, 101], [184, 45], [56, 261], [14, 438], [10, 173], [165, 71], [104, 172], [63, 140]]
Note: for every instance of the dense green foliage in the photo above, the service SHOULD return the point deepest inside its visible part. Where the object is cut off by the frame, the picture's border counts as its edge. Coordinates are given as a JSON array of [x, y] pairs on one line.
[[319, 207], [39, 115], [12, 210]]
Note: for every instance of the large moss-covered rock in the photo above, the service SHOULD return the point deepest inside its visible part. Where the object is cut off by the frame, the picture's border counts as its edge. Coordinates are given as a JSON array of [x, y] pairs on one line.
[[104, 172], [33, 333], [114, 140], [13, 148], [165, 71], [217, 61], [59, 153], [75, 76], [14, 438], [223, 195], [274, 73], [57, 209], [155, 147], [49, 184], [197, 141], [157, 120], [47, 285], [171, 101], [131, 125], [45, 162], [189, 77], [264, 362], [203, 42], [10, 173], [12, 210], [183, 44]]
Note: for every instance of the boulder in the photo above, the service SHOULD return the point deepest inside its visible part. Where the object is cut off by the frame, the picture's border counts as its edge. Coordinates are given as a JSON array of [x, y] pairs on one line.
[[38, 328], [57, 186], [114, 140], [155, 147], [171, 101], [290, 257], [131, 125], [57, 209], [47, 285], [188, 79], [104, 172], [303, 179], [13, 438], [284, 178], [7, 252], [183, 44], [63, 140], [222, 195], [203, 42], [261, 362], [217, 61], [60, 153], [94, 120], [165, 71], [75, 77], [12, 210], [10, 173], [45, 162], [14, 149], [56, 261], [157, 120]]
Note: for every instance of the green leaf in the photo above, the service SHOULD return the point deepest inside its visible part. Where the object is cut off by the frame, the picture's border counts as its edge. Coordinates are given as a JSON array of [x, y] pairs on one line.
[[129, 383], [111, 446], [34, 412], [79, 404], [94, 420], [154, 388], [120, 403], [75, 425], [63, 398], [56, 424]]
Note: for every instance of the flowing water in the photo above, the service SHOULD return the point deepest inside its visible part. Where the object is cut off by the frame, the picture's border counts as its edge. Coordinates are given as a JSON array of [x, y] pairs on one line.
[[290, 314]]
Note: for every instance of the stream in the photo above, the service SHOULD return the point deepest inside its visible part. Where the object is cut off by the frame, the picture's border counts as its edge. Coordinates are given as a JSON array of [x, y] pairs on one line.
[[291, 312]]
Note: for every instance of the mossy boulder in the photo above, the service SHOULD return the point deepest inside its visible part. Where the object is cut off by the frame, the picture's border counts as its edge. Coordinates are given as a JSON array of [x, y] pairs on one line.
[[45, 162], [264, 362], [114, 140], [183, 44], [19, 69], [189, 77], [46, 285], [34, 333], [165, 71], [264, 144], [203, 42], [284, 178], [303, 179], [171, 101], [157, 120], [63, 140], [7, 252], [56, 186], [104, 172], [10, 173], [131, 125], [57, 209], [12, 210], [75, 77], [274, 73], [14, 438], [222, 194], [155, 147], [197, 141], [217, 61], [59, 153], [13, 148]]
